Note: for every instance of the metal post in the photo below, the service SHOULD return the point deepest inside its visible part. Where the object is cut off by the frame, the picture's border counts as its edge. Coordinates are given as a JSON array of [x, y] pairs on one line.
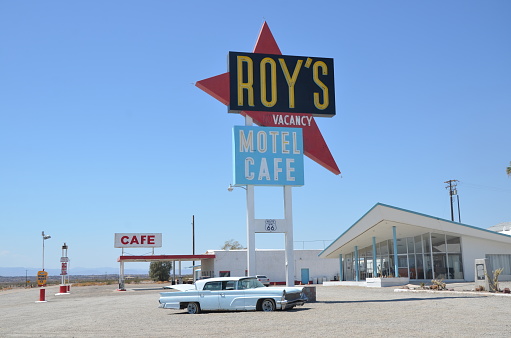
[[453, 191], [450, 195], [45, 237], [394, 237], [251, 261], [356, 264], [290, 257], [375, 268], [43, 250], [459, 215], [193, 246], [341, 265]]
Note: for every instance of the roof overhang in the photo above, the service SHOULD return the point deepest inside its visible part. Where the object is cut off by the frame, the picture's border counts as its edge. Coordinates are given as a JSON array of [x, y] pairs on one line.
[[164, 258], [380, 220]]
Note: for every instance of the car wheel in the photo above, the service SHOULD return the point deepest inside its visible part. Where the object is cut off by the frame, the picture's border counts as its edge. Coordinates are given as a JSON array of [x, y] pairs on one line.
[[268, 305], [193, 308]]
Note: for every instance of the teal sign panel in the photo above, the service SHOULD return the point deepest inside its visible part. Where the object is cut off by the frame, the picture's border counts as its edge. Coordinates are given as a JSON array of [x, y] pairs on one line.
[[268, 156]]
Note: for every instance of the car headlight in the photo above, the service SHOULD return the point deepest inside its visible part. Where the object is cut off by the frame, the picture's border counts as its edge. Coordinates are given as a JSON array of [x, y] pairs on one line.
[[284, 295]]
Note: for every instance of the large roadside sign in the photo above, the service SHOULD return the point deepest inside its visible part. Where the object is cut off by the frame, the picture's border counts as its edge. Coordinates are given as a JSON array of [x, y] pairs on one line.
[[268, 156], [281, 83], [138, 240]]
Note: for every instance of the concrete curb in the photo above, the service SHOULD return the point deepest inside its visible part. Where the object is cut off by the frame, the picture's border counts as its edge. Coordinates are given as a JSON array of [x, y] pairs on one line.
[[483, 294]]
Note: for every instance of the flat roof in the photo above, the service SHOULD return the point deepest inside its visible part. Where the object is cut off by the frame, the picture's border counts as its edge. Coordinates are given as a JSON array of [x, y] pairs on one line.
[[155, 258]]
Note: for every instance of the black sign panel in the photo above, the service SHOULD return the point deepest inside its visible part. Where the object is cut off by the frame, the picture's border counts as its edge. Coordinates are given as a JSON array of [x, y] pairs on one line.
[[281, 83]]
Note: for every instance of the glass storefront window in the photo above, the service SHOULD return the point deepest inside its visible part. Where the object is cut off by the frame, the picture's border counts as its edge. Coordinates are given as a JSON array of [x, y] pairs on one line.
[[414, 258], [440, 266], [385, 267], [410, 243], [378, 267], [453, 244], [428, 271], [456, 266], [420, 267], [368, 252], [438, 242], [369, 272], [402, 263], [418, 244], [411, 266], [384, 249], [361, 264], [425, 243], [401, 246]]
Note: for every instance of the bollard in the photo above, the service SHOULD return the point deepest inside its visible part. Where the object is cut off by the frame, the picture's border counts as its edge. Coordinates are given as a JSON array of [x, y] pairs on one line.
[[42, 296], [63, 290]]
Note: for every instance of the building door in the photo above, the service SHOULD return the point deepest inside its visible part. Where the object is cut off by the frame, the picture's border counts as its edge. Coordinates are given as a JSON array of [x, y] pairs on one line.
[[305, 276]]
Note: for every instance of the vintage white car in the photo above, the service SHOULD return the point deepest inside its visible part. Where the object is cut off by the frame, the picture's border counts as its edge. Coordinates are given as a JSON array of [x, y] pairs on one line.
[[231, 294]]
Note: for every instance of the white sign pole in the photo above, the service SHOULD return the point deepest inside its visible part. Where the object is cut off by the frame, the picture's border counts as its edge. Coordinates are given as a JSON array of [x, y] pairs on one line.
[[251, 259], [290, 257]]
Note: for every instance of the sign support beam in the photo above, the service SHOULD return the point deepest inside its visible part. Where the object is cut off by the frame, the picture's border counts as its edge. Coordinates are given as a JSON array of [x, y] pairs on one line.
[[290, 256], [251, 261], [252, 229]]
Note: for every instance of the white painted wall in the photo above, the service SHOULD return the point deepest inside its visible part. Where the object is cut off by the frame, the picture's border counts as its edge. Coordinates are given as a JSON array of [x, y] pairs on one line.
[[474, 248], [272, 264]]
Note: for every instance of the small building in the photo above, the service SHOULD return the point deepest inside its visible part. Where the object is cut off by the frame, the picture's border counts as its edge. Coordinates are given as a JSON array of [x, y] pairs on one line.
[[503, 228], [389, 241], [309, 268]]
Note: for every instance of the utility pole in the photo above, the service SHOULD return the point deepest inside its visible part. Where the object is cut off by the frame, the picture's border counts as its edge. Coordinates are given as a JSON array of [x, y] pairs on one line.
[[193, 246], [453, 191]]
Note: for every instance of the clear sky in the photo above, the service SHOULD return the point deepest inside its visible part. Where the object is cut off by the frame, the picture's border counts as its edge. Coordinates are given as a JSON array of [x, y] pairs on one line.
[[102, 129]]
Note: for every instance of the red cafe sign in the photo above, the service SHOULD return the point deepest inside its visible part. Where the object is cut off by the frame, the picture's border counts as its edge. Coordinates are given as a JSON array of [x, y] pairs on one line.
[[138, 240]]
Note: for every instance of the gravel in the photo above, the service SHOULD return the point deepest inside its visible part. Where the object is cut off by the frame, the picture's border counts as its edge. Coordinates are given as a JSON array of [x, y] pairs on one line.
[[101, 311]]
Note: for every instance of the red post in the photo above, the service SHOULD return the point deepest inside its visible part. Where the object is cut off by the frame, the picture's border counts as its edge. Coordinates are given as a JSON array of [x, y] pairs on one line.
[[63, 289], [42, 295]]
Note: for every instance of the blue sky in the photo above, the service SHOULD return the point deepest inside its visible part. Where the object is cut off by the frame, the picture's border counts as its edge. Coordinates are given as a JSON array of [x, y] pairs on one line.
[[102, 129]]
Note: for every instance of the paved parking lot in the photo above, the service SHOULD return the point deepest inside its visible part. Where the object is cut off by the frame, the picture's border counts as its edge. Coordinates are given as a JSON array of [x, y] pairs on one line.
[[100, 311]]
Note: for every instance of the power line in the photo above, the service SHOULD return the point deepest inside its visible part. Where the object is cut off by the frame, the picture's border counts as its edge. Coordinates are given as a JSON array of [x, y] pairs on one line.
[[319, 240], [484, 187]]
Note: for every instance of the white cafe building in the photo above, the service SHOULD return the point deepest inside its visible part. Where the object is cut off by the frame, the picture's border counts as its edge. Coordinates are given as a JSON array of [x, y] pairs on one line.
[[419, 247]]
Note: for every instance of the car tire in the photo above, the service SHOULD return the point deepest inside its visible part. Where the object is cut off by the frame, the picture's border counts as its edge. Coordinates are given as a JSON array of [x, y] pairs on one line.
[[193, 308], [268, 305]]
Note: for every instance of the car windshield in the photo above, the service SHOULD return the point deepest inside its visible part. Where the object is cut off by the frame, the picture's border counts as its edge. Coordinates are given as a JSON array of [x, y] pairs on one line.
[[250, 283]]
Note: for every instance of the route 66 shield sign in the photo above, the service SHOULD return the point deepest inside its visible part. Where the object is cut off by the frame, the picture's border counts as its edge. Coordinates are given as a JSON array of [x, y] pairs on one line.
[[270, 225]]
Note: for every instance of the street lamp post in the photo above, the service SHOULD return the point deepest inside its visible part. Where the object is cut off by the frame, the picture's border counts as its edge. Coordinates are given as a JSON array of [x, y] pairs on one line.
[[45, 237]]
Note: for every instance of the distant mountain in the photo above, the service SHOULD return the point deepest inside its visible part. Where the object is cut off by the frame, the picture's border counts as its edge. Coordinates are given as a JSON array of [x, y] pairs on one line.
[[20, 271]]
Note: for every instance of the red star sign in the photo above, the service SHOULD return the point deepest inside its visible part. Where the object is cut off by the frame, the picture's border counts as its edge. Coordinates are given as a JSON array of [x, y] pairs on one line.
[[314, 144]]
